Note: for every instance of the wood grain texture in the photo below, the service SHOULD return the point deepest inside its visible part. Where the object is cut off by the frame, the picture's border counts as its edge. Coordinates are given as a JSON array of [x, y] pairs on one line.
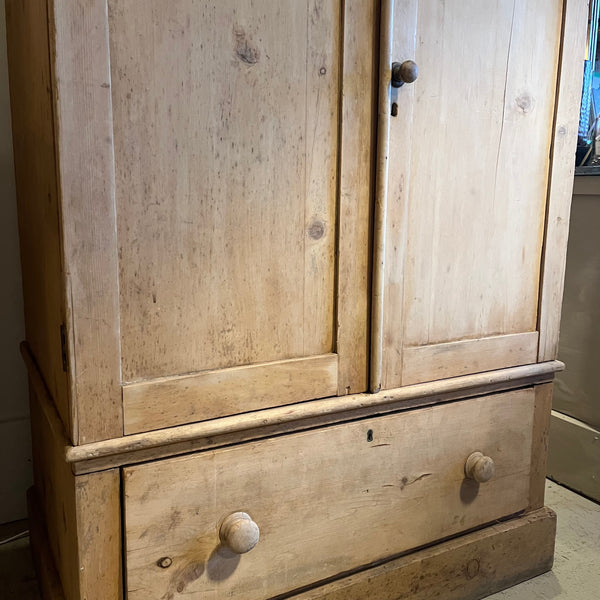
[[326, 500], [562, 165], [358, 134], [539, 447], [438, 361], [226, 144], [37, 194], [82, 516], [404, 41], [84, 145], [213, 394], [467, 568], [45, 568], [472, 202], [151, 445]]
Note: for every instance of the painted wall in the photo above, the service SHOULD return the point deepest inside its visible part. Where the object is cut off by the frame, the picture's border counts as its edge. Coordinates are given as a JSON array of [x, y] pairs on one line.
[[15, 439]]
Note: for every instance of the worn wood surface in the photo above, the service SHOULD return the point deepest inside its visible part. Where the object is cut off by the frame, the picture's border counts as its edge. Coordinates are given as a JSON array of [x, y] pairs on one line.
[[37, 195], [467, 568], [316, 413], [212, 394], [472, 202], [562, 165], [84, 130], [45, 567], [539, 447], [326, 500], [358, 132], [82, 516], [226, 193], [254, 425], [438, 361]]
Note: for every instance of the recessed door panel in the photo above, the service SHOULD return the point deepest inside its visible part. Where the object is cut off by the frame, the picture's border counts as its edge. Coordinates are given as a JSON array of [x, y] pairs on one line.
[[468, 175]]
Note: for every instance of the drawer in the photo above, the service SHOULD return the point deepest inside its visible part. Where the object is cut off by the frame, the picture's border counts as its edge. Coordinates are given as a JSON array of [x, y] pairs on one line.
[[325, 501]]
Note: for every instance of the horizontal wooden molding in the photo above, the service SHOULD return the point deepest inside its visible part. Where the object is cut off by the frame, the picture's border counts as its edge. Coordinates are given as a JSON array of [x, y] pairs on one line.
[[453, 359], [131, 449], [172, 401]]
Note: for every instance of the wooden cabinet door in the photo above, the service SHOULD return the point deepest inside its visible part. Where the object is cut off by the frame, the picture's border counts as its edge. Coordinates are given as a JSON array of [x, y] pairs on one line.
[[468, 174], [241, 146]]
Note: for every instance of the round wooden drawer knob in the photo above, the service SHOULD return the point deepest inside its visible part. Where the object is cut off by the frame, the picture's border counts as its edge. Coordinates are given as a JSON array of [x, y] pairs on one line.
[[479, 467], [239, 533]]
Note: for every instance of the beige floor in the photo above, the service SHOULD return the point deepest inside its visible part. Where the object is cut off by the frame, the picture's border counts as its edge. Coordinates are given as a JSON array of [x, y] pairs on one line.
[[576, 573]]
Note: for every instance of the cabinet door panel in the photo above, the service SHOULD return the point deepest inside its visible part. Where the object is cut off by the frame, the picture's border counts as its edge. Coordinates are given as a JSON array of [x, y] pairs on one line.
[[227, 130], [468, 176]]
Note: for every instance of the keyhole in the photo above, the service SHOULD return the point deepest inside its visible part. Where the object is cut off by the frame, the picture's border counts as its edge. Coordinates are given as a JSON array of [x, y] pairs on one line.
[[370, 435]]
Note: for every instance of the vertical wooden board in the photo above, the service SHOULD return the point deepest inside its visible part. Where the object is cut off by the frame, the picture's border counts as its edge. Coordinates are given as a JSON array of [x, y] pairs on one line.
[[399, 182], [98, 498], [355, 189], [38, 204], [84, 144], [226, 134], [54, 484], [564, 140], [539, 446], [82, 514], [478, 169]]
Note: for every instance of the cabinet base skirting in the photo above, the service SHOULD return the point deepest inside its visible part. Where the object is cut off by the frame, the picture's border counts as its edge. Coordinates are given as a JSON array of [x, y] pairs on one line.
[[468, 567]]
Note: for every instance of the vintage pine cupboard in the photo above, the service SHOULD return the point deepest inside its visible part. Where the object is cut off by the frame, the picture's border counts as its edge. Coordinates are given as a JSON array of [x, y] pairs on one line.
[[291, 325]]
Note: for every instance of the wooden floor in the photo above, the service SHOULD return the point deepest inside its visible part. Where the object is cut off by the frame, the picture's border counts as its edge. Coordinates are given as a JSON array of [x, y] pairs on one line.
[[576, 573]]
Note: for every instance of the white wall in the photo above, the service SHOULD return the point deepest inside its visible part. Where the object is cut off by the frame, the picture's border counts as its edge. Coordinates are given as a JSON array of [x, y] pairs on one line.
[[15, 439]]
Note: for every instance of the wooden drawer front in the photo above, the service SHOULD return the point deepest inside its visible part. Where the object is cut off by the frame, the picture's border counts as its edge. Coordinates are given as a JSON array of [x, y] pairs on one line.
[[325, 500]]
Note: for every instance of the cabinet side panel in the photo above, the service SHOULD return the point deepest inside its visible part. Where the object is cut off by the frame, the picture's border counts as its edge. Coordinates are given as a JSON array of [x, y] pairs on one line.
[[35, 172], [82, 514], [83, 121], [562, 166]]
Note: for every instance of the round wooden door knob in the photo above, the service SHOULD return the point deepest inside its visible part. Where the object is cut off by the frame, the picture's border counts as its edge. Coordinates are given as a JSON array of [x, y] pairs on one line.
[[479, 467], [406, 72], [239, 533]]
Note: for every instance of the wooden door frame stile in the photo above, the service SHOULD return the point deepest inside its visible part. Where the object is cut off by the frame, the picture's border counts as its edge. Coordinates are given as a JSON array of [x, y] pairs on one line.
[[381, 190]]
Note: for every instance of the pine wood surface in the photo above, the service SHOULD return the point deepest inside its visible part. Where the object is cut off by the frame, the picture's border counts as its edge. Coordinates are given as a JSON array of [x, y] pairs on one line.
[[466, 568], [84, 131], [82, 516], [466, 207], [212, 394], [326, 500]]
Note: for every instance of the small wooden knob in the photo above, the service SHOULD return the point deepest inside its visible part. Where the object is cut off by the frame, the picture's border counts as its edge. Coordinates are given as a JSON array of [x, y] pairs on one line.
[[406, 72], [479, 467], [239, 533]]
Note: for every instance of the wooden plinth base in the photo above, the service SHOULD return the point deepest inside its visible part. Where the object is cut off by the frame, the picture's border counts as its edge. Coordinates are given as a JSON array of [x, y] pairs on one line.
[[469, 567]]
